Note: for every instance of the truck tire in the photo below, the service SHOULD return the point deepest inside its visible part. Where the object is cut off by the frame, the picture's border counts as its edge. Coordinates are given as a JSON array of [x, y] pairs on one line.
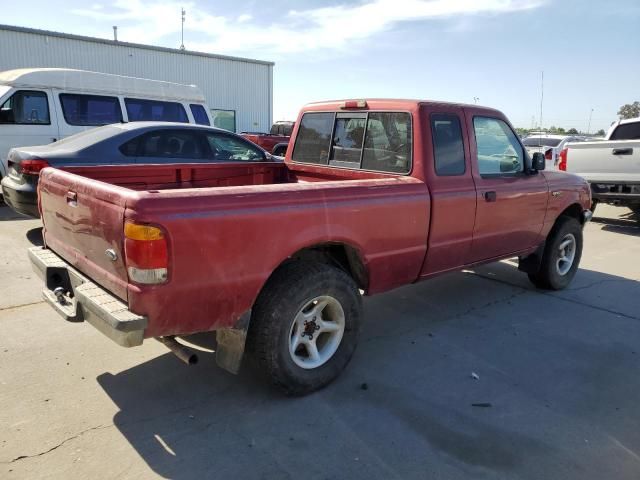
[[305, 325], [561, 257]]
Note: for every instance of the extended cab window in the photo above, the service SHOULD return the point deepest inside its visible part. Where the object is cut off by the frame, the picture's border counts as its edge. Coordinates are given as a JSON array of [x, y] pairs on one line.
[[448, 147], [228, 148], [499, 151], [91, 110], [25, 107], [154, 110]]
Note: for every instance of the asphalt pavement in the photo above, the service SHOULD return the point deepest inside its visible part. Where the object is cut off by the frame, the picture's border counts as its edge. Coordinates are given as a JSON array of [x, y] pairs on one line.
[[473, 374]]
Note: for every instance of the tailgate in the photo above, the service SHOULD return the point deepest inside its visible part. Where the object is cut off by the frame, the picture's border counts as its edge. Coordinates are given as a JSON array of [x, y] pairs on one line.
[[83, 223], [599, 161]]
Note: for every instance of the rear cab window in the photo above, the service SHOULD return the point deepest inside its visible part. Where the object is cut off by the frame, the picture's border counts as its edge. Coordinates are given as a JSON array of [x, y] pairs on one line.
[[26, 107], [90, 110], [139, 110], [377, 141]]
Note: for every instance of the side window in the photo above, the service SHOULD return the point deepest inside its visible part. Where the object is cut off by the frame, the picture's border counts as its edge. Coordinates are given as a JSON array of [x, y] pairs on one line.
[[90, 110], [314, 138], [627, 131], [168, 144], [228, 148], [25, 107], [347, 140], [387, 142], [139, 110], [199, 114], [225, 119], [448, 147], [499, 151]]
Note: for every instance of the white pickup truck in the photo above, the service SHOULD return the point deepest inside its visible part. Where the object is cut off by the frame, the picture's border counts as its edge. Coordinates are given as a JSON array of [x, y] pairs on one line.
[[611, 166]]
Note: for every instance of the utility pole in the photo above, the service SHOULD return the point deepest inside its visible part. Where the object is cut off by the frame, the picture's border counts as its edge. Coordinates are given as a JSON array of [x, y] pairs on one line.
[[589, 127], [475, 100], [184, 13], [541, 97]]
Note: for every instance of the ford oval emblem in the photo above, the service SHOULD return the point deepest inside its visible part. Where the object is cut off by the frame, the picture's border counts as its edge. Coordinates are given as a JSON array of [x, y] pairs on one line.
[[111, 254]]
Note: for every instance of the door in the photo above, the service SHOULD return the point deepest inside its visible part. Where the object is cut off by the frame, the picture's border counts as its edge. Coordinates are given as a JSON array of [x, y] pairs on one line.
[[26, 119], [511, 202], [453, 193]]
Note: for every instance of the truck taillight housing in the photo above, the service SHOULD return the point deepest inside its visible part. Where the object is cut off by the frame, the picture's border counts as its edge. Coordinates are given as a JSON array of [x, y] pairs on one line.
[[563, 160], [146, 254], [548, 155]]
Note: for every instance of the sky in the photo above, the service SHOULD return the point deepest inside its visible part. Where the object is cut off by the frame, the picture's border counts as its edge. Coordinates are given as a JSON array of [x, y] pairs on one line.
[[450, 50]]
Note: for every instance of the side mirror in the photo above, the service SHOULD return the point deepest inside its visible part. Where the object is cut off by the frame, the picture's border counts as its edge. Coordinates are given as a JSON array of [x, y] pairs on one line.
[[538, 162]]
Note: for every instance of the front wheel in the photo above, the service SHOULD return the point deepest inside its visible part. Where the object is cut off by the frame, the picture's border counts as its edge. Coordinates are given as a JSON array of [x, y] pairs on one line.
[[305, 324], [561, 257]]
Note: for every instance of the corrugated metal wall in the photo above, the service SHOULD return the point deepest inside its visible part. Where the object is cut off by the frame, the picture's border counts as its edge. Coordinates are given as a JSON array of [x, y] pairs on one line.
[[243, 86]]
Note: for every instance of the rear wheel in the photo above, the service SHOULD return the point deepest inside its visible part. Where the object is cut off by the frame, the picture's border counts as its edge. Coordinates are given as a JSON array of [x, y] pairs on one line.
[[561, 257], [305, 324]]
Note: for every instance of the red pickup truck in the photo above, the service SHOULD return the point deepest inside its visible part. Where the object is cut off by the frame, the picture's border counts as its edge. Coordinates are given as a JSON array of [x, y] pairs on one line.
[[274, 142], [373, 195]]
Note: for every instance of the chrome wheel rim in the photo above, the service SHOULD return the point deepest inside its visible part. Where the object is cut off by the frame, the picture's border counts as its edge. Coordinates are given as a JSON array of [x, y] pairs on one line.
[[566, 254], [316, 332]]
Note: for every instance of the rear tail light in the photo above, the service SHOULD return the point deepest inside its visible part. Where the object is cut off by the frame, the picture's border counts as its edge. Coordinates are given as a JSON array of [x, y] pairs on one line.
[[145, 249], [548, 155], [563, 160], [31, 166]]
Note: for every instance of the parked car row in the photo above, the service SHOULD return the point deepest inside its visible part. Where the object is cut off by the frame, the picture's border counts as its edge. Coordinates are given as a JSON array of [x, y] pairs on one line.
[[44, 105]]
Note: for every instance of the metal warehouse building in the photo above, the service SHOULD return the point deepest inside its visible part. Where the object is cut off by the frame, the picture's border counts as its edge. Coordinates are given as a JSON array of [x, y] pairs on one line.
[[239, 91]]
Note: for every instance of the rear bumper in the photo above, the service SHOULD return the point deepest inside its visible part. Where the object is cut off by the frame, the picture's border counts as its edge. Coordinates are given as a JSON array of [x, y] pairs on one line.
[[22, 198], [78, 299], [616, 192]]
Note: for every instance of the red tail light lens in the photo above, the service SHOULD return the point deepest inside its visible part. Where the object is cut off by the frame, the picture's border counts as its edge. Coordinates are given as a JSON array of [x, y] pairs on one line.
[[146, 253], [548, 155], [32, 166], [563, 160]]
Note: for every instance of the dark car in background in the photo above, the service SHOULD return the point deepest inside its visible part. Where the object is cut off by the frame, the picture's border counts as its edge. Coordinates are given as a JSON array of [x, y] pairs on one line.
[[123, 144]]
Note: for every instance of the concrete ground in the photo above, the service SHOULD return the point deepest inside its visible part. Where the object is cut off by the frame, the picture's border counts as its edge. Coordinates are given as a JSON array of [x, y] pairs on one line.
[[557, 393]]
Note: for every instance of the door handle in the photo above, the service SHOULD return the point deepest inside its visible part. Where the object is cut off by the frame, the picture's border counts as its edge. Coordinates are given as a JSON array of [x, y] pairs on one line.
[[623, 151], [490, 196]]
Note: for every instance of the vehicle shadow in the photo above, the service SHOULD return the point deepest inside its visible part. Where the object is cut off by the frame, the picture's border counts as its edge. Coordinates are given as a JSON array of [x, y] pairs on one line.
[[35, 236], [404, 405], [627, 223], [6, 213]]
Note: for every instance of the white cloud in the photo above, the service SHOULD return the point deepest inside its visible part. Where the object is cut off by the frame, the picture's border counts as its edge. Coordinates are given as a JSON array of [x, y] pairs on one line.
[[332, 27]]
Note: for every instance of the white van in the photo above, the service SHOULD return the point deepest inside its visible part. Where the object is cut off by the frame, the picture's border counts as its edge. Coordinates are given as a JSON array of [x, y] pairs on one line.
[[41, 105]]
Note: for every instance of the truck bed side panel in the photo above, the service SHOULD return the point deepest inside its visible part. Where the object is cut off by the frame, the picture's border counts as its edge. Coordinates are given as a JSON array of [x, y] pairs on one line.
[[225, 243]]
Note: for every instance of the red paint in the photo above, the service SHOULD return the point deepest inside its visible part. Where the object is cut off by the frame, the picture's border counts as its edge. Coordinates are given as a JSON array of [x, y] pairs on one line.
[[224, 243], [266, 140]]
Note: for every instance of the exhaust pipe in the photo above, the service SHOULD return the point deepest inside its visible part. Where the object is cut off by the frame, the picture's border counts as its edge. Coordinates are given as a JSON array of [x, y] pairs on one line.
[[183, 353]]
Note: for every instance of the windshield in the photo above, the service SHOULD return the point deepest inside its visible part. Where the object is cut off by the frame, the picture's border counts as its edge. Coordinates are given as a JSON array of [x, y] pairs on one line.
[[541, 142]]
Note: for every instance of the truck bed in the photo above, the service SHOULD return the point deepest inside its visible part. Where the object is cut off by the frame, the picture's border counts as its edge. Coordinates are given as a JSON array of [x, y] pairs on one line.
[[228, 226]]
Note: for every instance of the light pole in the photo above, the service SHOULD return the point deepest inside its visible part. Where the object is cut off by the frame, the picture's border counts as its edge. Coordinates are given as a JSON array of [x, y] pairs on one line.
[[589, 126], [184, 13], [475, 100]]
